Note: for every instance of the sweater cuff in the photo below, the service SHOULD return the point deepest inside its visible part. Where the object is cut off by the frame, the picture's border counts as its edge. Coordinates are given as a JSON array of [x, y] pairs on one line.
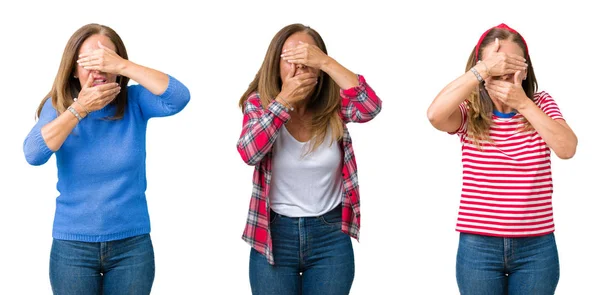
[[45, 151]]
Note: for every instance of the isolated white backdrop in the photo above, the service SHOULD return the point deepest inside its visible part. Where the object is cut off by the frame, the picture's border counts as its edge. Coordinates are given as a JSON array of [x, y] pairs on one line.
[[199, 188]]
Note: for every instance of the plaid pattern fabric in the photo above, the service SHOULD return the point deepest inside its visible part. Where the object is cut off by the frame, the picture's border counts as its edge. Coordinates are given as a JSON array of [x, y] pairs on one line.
[[260, 129]]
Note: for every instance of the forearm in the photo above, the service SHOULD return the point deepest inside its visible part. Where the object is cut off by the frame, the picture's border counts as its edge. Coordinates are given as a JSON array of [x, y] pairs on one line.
[[556, 133], [151, 79], [444, 113], [56, 131], [342, 76], [260, 131]]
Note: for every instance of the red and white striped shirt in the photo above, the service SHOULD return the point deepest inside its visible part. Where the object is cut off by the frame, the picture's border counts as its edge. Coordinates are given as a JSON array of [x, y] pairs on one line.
[[507, 185]]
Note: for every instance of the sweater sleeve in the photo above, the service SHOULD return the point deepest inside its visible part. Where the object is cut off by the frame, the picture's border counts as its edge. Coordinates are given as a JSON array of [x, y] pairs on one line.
[[35, 148], [171, 102]]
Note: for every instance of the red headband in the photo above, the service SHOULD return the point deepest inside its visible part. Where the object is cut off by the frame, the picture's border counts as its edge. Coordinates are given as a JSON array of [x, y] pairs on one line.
[[500, 26]]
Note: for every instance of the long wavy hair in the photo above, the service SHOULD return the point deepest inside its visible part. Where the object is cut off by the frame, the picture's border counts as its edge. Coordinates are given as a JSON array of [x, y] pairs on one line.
[[479, 118], [66, 86], [324, 102]]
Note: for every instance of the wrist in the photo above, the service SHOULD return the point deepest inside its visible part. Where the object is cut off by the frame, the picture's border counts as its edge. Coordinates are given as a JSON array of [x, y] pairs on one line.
[[483, 70], [80, 108], [326, 64], [525, 105], [124, 67], [284, 102]]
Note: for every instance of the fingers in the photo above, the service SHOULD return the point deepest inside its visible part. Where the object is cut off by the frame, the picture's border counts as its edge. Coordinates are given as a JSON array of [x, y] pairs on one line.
[[110, 93], [106, 96], [496, 45], [89, 82], [494, 90], [292, 71], [294, 57], [107, 86], [518, 79], [516, 60], [306, 79], [90, 55]]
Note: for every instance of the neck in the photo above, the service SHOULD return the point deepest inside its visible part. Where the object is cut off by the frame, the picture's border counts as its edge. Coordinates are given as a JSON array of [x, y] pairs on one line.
[[502, 107], [301, 107]]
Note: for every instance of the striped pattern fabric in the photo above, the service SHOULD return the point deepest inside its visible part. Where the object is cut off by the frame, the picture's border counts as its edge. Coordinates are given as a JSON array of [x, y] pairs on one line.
[[507, 185], [260, 129]]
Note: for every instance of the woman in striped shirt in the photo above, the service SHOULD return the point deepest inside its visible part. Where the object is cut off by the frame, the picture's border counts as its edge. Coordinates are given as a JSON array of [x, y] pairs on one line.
[[507, 129], [305, 203]]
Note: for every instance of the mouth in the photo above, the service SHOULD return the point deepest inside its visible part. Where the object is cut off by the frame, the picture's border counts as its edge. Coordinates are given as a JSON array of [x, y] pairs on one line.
[[99, 81]]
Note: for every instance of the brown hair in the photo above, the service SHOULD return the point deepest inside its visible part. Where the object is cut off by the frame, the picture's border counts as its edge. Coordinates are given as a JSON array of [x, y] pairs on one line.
[[479, 118], [325, 99], [66, 86]]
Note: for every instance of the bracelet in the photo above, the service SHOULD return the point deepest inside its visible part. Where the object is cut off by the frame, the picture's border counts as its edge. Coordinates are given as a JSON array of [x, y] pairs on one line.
[[287, 103], [476, 73], [75, 113], [84, 108]]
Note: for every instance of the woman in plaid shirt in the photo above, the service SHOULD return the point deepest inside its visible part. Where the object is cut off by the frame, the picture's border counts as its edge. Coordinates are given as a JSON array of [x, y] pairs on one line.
[[305, 203]]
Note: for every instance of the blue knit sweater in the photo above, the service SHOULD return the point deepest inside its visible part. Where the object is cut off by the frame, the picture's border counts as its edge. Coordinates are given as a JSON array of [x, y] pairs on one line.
[[102, 166]]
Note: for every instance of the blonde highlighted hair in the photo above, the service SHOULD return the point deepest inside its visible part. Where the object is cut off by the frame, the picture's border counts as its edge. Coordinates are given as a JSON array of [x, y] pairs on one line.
[[480, 105], [324, 102], [66, 86]]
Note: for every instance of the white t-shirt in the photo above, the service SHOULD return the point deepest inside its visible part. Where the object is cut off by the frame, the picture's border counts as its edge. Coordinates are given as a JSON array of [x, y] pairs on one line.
[[305, 184]]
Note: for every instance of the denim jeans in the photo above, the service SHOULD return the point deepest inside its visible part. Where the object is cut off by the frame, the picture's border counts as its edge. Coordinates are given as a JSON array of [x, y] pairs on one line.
[[515, 266], [117, 267], [312, 256]]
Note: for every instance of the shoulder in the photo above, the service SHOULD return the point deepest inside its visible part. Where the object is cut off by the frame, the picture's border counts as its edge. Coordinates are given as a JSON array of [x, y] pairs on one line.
[[541, 96]]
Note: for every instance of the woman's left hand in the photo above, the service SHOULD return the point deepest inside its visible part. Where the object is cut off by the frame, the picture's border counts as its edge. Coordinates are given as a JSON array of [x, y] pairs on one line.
[[509, 93], [306, 54], [102, 59]]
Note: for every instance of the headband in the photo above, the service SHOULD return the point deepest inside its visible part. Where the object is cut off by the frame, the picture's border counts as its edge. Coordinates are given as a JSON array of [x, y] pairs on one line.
[[500, 26]]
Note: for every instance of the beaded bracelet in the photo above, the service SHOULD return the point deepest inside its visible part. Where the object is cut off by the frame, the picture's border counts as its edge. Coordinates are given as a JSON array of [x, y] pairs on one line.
[[75, 113], [84, 108], [476, 73]]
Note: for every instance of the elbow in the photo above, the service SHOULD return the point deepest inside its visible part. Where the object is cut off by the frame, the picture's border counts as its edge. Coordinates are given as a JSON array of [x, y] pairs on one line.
[[184, 99], [34, 155], [250, 161], [34, 160], [567, 153], [433, 117]]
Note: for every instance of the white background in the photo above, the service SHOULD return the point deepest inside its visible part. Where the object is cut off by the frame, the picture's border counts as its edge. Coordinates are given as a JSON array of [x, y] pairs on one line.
[[199, 188]]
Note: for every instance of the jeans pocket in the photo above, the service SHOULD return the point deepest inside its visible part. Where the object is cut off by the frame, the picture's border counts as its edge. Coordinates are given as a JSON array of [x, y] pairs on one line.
[[333, 217], [273, 217]]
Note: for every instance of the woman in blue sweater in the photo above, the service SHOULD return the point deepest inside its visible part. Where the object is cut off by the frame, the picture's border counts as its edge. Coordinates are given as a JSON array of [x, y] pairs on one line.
[[96, 125]]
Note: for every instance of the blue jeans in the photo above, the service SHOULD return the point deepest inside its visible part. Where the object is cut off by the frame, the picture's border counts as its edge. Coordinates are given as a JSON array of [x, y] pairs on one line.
[[117, 267], [312, 256], [515, 266]]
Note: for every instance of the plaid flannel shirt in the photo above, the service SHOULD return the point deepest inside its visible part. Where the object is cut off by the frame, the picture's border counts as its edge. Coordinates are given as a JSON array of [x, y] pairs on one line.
[[260, 129]]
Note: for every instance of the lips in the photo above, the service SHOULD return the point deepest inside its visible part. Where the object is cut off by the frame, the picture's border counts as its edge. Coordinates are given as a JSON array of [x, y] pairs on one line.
[[99, 81]]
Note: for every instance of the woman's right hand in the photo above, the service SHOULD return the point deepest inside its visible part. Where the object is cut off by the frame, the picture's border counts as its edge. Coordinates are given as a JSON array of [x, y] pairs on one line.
[[94, 98], [295, 89], [500, 63]]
